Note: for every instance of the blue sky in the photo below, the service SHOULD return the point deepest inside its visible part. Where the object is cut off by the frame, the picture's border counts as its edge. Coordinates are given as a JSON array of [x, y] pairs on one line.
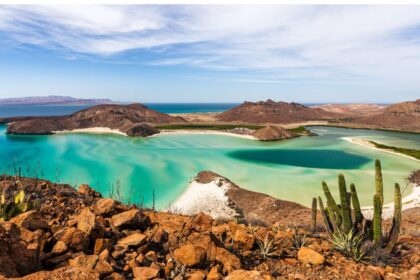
[[212, 53]]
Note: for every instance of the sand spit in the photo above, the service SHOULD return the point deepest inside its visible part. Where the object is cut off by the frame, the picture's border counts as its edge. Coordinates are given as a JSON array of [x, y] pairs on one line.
[[210, 132], [93, 130]]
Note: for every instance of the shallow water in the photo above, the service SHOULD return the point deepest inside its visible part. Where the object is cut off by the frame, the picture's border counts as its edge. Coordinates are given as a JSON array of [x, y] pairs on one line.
[[291, 170]]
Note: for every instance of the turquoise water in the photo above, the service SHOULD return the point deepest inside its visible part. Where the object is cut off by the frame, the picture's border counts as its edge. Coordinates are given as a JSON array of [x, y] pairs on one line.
[[291, 170]]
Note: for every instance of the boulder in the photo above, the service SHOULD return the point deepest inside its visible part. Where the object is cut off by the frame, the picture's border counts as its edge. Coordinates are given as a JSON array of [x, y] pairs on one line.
[[59, 247], [190, 255], [134, 239], [114, 276], [86, 221], [214, 273], [103, 268], [244, 239], [309, 256], [197, 275], [145, 273], [74, 238], [86, 261], [241, 274], [131, 218], [31, 220], [102, 244], [104, 206], [230, 261]]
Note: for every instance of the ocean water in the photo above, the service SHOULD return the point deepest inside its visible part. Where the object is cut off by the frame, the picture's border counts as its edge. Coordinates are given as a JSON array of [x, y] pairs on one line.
[[291, 169], [55, 110]]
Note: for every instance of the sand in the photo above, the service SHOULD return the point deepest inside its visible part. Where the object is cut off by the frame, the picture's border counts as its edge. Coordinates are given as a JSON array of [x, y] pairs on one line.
[[93, 130], [195, 131], [209, 198]]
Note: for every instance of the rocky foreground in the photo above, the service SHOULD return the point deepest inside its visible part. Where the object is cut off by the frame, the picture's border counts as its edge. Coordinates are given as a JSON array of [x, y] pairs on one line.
[[77, 234]]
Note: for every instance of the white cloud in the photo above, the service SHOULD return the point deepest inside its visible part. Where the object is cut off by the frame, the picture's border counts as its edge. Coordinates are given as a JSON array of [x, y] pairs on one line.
[[317, 42]]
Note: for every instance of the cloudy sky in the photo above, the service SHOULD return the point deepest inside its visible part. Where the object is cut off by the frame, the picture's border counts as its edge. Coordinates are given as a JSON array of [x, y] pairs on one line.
[[212, 53]]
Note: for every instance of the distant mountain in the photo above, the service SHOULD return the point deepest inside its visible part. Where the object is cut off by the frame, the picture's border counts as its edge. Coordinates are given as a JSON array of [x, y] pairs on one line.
[[352, 109], [54, 100], [274, 112], [131, 119], [400, 116]]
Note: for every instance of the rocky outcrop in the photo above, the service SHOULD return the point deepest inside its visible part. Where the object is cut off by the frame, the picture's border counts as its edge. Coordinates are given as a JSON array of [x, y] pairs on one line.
[[133, 119], [273, 112], [273, 133], [89, 237]]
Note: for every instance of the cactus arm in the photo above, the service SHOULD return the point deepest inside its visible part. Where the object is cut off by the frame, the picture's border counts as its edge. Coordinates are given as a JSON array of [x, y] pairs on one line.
[[358, 216], [379, 184], [396, 220], [345, 205], [327, 222], [377, 219], [334, 210], [314, 212]]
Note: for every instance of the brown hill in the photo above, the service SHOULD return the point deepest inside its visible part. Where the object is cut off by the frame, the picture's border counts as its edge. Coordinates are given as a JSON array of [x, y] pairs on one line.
[[125, 118], [272, 133], [352, 109], [273, 112], [400, 116]]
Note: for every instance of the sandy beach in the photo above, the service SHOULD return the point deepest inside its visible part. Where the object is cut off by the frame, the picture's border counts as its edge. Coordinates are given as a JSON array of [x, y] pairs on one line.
[[93, 130], [213, 132], [209, 198], [367, 144]]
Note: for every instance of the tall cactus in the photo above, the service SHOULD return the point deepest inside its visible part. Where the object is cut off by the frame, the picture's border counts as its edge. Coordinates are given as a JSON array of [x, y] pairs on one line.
[[358, 216], [345, 204], [327, 223], [334, 211], [396, 220], [377, 219], [379, 184], [314, 212]]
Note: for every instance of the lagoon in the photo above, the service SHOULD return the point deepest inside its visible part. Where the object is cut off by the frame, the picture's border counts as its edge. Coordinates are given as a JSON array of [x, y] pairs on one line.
[[290, 170]]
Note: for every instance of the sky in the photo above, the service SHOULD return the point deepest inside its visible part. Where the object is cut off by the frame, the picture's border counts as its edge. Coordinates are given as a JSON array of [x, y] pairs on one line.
[[196, 53]]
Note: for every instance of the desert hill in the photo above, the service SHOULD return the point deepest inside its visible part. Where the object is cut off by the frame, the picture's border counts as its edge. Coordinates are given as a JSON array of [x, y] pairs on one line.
[[352, 109], [273, 112], [129, 119]]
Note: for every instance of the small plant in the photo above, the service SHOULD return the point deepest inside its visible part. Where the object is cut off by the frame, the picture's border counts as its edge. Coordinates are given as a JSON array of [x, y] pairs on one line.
[[267, 248], [350, 245], [11, 209], [299, 239]]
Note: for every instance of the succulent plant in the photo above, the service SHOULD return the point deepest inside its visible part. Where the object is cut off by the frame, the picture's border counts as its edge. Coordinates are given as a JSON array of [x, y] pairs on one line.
[[9, 210], [338, 220]]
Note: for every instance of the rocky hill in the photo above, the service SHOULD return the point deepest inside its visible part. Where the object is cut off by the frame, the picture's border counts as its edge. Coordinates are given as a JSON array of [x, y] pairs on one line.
[[352, 110], [400, 116], [273, 133], [131, 119], [273, 112], [79, 235]]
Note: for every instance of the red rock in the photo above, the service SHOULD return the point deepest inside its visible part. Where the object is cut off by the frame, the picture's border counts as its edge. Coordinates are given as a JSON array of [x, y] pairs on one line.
[[102, 244], [134, 239], [104, 206], [64, 273], [145, 273], [309, 256], [241, 274], [189, 255], [86, 221], [87, 261], [103, 268], [31, 220], [244, 239], [230, 261]]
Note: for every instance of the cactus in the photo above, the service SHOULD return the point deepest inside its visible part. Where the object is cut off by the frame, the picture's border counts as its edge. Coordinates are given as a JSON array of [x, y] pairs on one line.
[[337, 218], [314, 212], [9, 210], [379, 184], [396, 220], [345, 205], [358, 216], [377, 219]]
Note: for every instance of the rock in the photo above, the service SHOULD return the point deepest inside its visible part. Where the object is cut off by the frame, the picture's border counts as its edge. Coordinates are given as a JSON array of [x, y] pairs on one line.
[[118, 251], [104, 206], [309, 256], [131, 218], [59, 247], [87, 261], [189, 255], [74, 238], [114, 276], [412, 274], [197, 275], [214, 274], [142, 130], [103, 268], [86, 221], [87, 191], [230, 261], [134, 239], [31, 220], [64, 273], [241, 274], [273, 133], [244, 239], [145, 273], [102, 244]]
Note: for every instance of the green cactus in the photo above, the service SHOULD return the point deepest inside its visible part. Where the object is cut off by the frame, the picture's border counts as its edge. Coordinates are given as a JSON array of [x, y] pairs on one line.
[[379, 184], [334, 212], [396, 220], [345, 205], [327, 223], [358, 216], [377, 219], [314, 212], [9, 210]]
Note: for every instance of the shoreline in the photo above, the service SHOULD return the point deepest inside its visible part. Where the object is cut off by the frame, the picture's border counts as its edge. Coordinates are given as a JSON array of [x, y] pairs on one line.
[[367, 144], [91, 130], [211, 132]]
